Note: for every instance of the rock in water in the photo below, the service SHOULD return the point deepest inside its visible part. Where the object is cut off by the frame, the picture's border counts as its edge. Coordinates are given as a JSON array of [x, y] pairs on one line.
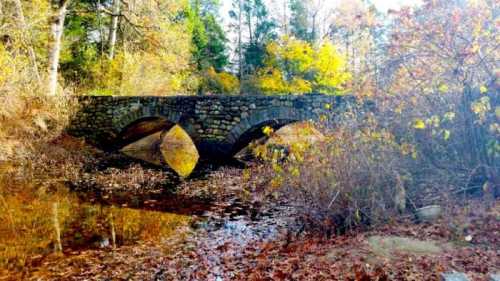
[[146, 149], [179, 151], [494, 277], [429, 213], [454, 276]]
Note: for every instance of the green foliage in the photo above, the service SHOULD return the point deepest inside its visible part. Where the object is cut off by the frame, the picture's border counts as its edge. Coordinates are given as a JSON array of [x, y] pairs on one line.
[[261, 29], [209, 48], [80, 49], [208, 38]]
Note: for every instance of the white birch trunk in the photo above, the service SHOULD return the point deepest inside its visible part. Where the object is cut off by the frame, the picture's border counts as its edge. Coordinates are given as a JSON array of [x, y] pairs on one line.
[[113, 28], [56, 32]]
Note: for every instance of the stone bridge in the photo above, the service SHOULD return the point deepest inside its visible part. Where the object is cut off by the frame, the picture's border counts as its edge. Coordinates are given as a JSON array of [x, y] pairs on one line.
[[219, 126]]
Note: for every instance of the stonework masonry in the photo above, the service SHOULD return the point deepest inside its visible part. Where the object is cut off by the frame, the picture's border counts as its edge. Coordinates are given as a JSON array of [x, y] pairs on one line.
[[218, 125]]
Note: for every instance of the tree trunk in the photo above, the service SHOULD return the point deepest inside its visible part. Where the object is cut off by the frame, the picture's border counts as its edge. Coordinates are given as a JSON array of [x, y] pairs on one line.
[[56, 32], [57, 227], [249, 22], [240, 54], [25, 38], [113, 28], [285, 17], [101, 32]]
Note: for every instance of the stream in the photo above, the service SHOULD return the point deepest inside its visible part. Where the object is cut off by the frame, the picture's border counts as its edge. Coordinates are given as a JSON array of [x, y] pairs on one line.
[[119, 202]]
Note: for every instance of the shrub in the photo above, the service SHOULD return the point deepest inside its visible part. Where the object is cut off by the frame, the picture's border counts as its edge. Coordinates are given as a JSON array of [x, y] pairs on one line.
[[371, 165], [355, 176]]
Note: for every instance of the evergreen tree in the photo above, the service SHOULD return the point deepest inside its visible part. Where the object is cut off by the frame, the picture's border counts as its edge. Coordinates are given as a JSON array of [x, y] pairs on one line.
[[301, 26], [209, 40], [260, 29]]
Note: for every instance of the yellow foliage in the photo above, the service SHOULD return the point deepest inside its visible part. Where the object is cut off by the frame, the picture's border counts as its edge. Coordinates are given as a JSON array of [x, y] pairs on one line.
[[155, 63], [419, 124], [481, 107], [294, 66], [221, 82], [272, 82], [443, 88], [267, 130], [449, 116], [330, 69], [28, 115], [446, 134]]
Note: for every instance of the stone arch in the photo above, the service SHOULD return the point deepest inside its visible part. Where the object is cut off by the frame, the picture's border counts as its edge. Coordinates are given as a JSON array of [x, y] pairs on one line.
[[139, 120], [141, 128], [250, 128], [137, 111]]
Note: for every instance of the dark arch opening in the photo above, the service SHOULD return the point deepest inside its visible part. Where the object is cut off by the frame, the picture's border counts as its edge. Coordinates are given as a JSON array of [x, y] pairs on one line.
[[256, 133], [142, 128]]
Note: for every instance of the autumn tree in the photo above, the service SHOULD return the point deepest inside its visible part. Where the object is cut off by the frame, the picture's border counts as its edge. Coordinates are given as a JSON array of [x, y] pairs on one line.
[[295, 66], [358, 30], [153, 55], [440, 77], [31, 114]]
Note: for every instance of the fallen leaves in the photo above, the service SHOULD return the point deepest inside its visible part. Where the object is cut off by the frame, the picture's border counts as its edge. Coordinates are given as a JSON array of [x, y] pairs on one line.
[[243, 239]]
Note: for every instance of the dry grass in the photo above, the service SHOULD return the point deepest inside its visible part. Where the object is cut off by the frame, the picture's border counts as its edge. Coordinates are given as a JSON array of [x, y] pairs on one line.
[[28, 120]]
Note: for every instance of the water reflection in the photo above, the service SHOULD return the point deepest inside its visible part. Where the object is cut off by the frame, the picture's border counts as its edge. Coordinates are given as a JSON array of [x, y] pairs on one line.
[[38, 219]]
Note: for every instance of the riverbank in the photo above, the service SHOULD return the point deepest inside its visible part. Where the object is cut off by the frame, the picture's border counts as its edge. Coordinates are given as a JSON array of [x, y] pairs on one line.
[[125, 220], [229, 243]]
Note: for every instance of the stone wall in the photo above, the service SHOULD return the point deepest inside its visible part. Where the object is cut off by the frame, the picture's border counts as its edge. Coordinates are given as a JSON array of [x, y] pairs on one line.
[[218, 125]]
